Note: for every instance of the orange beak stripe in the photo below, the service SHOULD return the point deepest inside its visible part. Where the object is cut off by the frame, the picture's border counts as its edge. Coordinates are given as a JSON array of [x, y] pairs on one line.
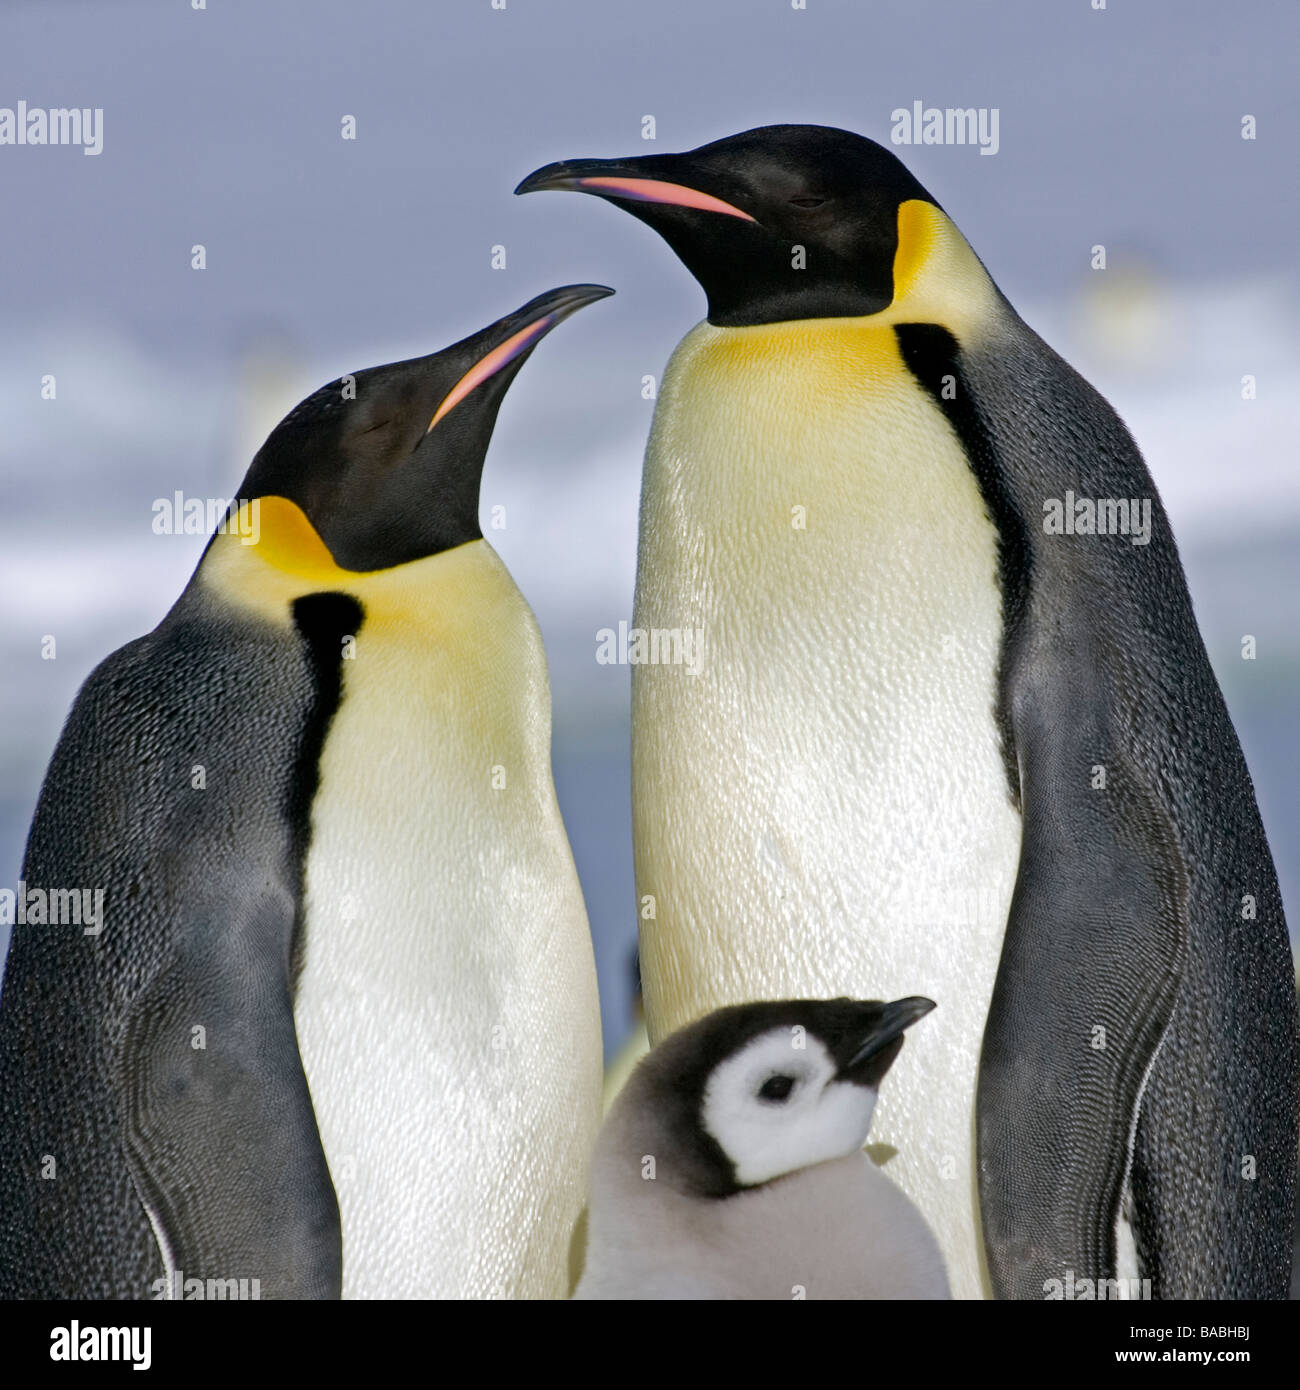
[[658, 191], [492, 362]]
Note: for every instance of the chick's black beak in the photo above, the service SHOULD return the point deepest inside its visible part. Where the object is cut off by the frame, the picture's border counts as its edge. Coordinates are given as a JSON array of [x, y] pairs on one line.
[[877, 1050]]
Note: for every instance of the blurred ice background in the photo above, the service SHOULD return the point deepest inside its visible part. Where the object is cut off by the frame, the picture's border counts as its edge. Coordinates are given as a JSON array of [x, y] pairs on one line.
[[1119, 127]]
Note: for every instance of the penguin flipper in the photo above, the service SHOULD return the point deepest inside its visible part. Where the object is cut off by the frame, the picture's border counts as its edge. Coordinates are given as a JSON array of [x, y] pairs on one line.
[[219, 1130], [213, 1113], [1085, 990]]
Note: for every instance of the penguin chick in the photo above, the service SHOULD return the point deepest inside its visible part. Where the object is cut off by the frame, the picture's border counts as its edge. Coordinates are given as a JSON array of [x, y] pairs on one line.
[[731, 1164]]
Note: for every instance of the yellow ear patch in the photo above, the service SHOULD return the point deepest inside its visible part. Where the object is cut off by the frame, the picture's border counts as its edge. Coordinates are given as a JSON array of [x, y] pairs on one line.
[[289, 542], [918, 233], [437, 593], [937, 277]]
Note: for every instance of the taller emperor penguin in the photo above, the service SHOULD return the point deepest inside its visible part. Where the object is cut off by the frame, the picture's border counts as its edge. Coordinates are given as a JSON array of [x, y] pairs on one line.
[[945, 741], [338, 1028]]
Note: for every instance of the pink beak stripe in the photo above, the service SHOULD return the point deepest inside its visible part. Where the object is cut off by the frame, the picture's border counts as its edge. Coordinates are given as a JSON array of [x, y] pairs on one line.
[[492, 362], [657, 191]]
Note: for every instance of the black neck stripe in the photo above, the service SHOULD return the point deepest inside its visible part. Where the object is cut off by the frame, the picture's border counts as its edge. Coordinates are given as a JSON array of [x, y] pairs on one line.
[[933, 356], [322, 622]]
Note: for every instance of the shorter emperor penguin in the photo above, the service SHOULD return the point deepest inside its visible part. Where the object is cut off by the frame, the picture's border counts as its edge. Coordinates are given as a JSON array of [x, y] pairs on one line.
[[337, 1030], [731, 1164]]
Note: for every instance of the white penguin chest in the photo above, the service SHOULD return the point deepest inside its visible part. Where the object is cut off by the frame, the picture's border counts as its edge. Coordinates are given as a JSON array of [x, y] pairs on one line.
[[446, 1012], [824, 809]]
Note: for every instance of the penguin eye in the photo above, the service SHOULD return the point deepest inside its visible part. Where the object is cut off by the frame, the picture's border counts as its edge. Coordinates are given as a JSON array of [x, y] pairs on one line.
[[776, 1088], [809, 202], [375, 428]]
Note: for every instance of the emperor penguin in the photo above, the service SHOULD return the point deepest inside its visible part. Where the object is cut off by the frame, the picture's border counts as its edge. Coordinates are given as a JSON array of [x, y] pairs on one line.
[[337, 1030], [954, 728], [731, 1164]]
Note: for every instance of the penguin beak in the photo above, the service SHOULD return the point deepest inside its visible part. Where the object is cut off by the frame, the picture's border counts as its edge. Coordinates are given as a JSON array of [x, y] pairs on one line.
[[510, 338], [627, 180], [876, 1052]]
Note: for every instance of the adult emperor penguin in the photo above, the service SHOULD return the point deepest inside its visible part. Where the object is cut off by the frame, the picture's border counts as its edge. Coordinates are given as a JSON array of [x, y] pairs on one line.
[[731, 1164], [945, 738], [343, 946]]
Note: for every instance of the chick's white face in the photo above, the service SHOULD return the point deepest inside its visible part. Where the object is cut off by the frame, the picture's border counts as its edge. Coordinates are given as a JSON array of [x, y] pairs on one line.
[[775, 1107]]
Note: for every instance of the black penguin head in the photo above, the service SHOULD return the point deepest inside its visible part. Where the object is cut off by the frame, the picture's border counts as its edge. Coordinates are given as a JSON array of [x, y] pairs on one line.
[[386, 463], [736, 211], [753, 1092]]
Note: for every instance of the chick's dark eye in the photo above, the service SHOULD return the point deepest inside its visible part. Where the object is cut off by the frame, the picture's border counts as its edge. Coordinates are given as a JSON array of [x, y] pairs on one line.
[[807, 202], [776, 1088]]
